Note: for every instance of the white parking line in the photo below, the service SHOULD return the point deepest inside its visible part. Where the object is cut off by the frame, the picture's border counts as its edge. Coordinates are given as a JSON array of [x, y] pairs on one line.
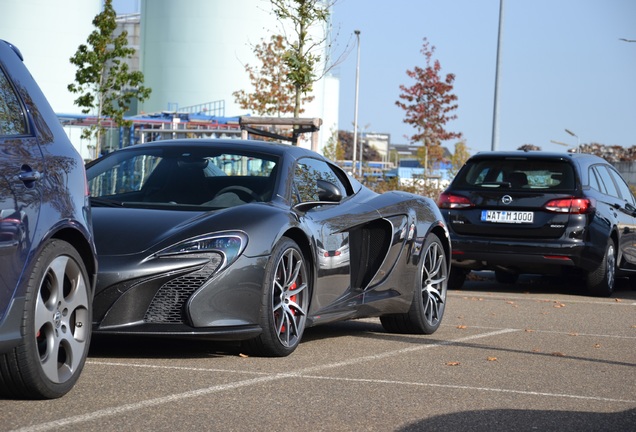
[[230, 386], [302, 373], [487, 389]]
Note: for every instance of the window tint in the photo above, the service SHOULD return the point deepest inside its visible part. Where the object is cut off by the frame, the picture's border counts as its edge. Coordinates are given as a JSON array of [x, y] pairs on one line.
[[606, 180], [517, 174], [626, 193], [306, 175], [12, 120]]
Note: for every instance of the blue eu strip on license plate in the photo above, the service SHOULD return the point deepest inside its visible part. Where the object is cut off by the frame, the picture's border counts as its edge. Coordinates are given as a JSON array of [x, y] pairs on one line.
[[506, 216]]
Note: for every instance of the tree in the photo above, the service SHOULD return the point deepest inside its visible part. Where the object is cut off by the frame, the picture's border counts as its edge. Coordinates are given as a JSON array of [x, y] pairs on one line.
[[334, 150], [273, 93], [459, 157], [429, 104], [300, 54], [103, 79]]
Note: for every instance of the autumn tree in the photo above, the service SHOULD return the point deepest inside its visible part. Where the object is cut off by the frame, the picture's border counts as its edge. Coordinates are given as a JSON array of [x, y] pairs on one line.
[[103, 80], [301, 55], [459, 157], [429, 104], [273, 94]]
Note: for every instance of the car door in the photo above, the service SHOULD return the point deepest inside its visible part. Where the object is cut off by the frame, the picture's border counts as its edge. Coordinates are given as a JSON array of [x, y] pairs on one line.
[[626, 208], [20, 162], [329, 224]]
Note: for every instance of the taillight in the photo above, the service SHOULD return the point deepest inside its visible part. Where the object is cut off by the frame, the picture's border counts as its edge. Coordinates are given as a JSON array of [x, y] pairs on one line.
[[451, 201], [570, 205]]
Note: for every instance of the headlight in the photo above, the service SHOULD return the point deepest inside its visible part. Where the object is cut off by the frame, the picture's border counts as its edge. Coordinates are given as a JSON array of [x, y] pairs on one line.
[[228, 244]]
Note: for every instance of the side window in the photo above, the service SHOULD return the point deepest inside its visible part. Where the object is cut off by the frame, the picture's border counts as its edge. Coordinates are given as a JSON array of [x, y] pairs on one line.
[[12, 119], [622, 187], [306, 175], [594, 181], [607, 181]]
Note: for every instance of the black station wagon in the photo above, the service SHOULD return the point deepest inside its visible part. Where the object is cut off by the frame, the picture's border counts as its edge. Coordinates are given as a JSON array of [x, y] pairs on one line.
[[541, 213]]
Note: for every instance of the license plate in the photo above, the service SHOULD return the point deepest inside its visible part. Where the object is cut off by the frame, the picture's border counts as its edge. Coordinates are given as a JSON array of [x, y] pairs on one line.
[[505, 216]]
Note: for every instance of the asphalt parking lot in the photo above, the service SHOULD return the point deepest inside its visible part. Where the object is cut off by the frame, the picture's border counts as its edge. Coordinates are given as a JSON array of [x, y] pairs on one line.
[[538, 355]]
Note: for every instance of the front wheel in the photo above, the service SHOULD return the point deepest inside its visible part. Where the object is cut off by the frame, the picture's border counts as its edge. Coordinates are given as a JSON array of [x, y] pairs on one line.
[[56, 327], [600, 281], [285, 302], [429, 296]]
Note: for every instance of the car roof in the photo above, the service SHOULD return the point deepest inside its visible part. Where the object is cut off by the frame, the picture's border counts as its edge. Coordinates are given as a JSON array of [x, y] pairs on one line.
[[579, 157]]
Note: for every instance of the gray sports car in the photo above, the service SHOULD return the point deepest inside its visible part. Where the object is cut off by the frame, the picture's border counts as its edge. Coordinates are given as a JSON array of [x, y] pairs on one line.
[[223, 239]]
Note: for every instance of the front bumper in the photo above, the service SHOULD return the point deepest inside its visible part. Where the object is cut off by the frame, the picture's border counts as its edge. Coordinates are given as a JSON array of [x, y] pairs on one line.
[[188, 298]]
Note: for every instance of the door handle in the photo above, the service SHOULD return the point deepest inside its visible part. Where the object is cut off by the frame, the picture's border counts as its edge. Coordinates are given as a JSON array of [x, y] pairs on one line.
[[29, 176]]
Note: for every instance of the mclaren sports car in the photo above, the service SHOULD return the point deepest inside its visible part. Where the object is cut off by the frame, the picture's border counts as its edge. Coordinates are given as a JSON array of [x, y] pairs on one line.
[[226, 240]]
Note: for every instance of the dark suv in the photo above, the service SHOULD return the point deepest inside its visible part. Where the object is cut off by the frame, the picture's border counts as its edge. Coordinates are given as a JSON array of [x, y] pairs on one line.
[[47, 254], [542, 213]]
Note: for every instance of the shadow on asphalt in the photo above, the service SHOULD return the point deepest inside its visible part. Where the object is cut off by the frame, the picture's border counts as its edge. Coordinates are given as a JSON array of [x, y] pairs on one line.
[[526, 420], [133, 346], [484, 281]]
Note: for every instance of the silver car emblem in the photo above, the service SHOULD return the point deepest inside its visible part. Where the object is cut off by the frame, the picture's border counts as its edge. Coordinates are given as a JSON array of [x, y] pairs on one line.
[[506, 199]]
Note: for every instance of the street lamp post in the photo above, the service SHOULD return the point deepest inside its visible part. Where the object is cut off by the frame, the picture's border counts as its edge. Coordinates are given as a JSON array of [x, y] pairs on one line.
[[355, 109], [578, 141]]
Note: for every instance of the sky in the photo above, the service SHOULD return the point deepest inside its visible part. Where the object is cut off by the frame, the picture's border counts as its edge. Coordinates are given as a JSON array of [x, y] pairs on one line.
[[562, 66]]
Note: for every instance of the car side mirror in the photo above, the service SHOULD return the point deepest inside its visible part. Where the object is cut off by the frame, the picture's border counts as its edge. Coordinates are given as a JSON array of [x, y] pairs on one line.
[[328, 191]]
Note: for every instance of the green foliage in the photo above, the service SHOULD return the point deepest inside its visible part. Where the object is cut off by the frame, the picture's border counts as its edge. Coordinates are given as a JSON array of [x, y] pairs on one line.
[[333, 150], [103, 81], [300, 56], [273, 93]]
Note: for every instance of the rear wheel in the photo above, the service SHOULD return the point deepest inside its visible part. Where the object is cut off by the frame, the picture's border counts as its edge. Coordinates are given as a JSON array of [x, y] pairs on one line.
[[429, 297], [600, 281], [56, 327], [285, 302]]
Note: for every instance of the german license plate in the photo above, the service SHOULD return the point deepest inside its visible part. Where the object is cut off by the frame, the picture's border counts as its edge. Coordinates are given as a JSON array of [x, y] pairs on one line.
[[505, 216]]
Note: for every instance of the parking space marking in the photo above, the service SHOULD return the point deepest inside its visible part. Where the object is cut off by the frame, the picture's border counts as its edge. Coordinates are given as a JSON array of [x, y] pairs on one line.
[[460, 387], [562, 333], [238, 384]]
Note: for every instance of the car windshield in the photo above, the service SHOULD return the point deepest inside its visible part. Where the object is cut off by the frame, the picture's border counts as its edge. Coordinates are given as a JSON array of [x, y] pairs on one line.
[[516, 174], [181, 178]]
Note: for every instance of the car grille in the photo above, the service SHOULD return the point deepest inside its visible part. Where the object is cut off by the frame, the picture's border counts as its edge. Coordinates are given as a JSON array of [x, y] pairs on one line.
[[167, 307]]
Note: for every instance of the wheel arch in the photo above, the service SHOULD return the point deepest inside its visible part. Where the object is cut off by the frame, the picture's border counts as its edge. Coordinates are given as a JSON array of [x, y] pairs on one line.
[[83, 247], [301, 239]]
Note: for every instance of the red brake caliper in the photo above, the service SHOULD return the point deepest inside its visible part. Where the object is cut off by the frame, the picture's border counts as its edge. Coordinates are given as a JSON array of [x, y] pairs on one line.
[[292, 298]]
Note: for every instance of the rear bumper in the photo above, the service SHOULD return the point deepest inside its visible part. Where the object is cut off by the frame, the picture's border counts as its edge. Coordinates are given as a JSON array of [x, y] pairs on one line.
[[543, 257]]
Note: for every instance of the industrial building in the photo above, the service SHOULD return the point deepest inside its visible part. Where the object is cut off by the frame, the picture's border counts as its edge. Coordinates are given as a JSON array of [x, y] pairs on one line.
[[192, 53]]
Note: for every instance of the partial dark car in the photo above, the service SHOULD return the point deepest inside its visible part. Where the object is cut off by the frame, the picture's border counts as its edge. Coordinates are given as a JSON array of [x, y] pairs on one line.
[[543, 213], [226, 240], [47, 254]]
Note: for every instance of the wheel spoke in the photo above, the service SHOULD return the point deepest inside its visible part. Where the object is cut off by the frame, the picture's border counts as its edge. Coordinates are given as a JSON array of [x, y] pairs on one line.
[[289, 297], [62, 323], [434, 283]]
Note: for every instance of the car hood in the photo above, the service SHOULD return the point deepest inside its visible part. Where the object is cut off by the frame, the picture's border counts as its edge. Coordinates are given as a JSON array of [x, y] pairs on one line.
[[125, 231]]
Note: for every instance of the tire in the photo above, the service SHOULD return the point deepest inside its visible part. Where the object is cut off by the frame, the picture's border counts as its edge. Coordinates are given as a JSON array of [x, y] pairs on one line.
[[600, 281], [506, 277], [56, 327], [457, 278], [429, 296], [285, 302]]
